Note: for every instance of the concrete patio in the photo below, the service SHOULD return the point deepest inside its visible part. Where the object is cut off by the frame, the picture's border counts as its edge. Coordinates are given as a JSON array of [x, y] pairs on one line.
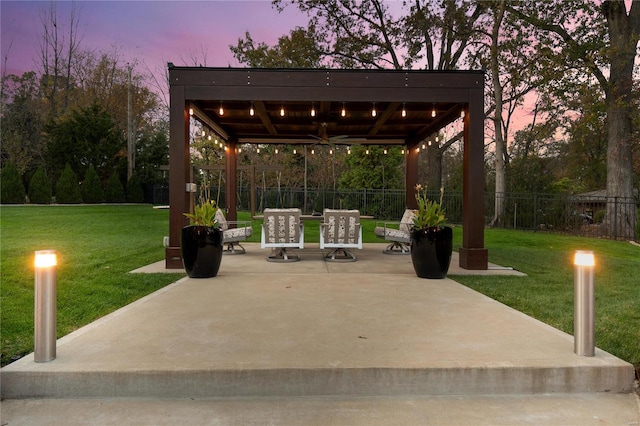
[[320, 343]]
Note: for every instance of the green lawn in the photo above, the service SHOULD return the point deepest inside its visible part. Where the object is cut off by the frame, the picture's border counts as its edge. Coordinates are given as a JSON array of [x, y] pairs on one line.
[[99, 245], [546, 293]]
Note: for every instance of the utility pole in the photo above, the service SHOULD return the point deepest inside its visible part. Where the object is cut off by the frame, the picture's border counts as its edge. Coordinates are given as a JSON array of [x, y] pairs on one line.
[[130, 142]]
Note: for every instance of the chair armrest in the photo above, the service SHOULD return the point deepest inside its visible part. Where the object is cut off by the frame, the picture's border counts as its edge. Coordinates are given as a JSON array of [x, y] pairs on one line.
[[391, 225]]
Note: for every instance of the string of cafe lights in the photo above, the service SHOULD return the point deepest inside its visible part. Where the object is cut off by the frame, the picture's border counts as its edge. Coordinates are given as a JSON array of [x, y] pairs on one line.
[[313, 113]]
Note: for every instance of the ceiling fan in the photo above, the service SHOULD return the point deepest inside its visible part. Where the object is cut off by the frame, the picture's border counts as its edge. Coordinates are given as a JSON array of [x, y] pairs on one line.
[[331, 140]]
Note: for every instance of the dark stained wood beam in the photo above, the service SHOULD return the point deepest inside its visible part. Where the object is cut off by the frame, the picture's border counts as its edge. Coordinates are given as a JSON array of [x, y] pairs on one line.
[[382, 118], [261, 110]]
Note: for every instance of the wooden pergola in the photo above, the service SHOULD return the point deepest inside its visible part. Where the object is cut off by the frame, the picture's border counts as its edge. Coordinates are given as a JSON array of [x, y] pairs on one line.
[[305, 106]]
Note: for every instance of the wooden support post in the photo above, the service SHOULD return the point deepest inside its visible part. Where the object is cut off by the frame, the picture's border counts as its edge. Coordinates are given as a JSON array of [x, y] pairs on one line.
[[412, 175], [231, 188], [473, 255], [179, 175]]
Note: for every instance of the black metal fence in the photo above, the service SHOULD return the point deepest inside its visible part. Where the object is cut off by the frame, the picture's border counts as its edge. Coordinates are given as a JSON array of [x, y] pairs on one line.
[[579, 215], [588, 215]]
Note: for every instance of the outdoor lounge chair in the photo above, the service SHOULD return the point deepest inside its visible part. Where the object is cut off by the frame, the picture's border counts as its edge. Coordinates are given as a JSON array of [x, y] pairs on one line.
[[398, 233], [233, 232], [282, 229], [340, 230]]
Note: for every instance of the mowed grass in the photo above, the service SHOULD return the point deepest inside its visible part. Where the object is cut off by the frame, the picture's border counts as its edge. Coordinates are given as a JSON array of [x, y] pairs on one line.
[[99, 245], [547, 292]]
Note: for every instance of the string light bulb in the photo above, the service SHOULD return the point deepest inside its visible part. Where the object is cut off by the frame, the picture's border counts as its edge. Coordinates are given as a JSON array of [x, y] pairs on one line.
[[258, 150], [294, 151], [221, 110], [282, 111], [348, 150], [251, 110], [373, 110], [404, 111], [343, 112], [313, 109], [462, 114], [313, 151], [433, 111], [385, 151], [367, 151], [276, 150], [402, 151], [330, 151], [190, 111]]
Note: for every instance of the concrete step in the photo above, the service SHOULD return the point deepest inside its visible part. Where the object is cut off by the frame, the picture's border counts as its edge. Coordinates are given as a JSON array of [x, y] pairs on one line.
[[539, 410], [315, 329], [295, 382]]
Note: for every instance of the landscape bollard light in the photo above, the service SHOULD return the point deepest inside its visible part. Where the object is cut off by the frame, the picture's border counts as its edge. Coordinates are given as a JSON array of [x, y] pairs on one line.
[[45, 305], [583, 304]]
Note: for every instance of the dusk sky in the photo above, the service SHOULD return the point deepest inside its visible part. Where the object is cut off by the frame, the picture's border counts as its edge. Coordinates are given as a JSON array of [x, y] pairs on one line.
[[151, 32]]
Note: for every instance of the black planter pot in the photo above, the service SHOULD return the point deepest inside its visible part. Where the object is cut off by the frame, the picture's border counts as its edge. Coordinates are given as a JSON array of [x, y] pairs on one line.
[[431, 250], [201, 251]]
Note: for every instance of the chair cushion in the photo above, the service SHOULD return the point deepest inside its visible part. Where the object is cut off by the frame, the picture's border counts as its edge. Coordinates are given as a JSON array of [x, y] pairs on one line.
[[281, 225], [397, 235], [407, 220], [341, 226], [221, 219], [237, 234]]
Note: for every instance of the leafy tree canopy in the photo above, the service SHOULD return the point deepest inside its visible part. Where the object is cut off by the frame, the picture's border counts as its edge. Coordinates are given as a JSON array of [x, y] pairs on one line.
[[88, 137]]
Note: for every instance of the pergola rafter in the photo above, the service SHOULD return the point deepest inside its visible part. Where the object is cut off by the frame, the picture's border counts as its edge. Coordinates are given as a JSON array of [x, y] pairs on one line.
[[410, 106]]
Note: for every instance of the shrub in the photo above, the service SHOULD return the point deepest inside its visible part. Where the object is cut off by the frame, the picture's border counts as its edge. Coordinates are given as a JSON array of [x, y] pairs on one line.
[[135, 194], [91, 187], [598, 217], [114, 192], [67, 188], [11, 186], [40, 188]]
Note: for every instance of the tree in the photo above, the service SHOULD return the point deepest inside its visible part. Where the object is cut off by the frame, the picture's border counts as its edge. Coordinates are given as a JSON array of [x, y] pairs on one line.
[[87, 137], [152, 152], [585, 152], [297, 50], [20, 139], [40, 188], [373, 170], [114, 191], [11, 186], [134, 193], [91, 187], [57, 53], [67, 189], [102, 78], [600, 39]]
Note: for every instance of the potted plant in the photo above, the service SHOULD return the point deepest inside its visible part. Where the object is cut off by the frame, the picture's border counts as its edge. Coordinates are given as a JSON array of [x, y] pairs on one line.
[[431, 239], [201, 242]]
